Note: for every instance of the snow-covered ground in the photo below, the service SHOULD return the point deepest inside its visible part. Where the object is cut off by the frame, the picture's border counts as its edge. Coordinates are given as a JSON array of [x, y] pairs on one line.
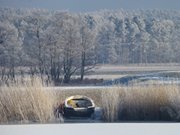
[[149, 78], [76, 88], [92, 129], [167, 77]]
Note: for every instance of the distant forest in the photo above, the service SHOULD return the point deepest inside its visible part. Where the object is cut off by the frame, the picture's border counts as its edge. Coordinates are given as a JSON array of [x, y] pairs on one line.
[[62, 43]]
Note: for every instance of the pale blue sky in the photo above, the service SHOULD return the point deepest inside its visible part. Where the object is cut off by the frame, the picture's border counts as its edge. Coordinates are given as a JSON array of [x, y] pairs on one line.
[[92, 5]]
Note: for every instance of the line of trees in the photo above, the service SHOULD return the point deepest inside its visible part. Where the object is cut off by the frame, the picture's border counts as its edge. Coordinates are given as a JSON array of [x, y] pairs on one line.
[[59, 44]]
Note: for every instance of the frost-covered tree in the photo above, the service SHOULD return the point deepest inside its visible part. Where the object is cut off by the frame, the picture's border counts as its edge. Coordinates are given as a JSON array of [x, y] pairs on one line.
[[60, 44], [106, 43], [87, 45], [10, 50], [70, 42]]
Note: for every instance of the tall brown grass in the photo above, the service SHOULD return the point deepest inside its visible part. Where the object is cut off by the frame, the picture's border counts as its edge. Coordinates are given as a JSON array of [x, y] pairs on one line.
[[27, 103], [32, 103], [142, 103]]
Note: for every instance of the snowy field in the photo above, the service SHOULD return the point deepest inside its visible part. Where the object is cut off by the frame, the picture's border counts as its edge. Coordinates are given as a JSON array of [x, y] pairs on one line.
[[89, 129]]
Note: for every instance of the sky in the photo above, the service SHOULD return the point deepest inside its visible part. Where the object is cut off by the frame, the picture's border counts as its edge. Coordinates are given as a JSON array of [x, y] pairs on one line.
[[92, 5]]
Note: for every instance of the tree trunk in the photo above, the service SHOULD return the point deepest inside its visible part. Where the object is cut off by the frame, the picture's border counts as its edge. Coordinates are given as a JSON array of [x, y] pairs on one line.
[[67, 78], [67, 68], [83, 58]]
